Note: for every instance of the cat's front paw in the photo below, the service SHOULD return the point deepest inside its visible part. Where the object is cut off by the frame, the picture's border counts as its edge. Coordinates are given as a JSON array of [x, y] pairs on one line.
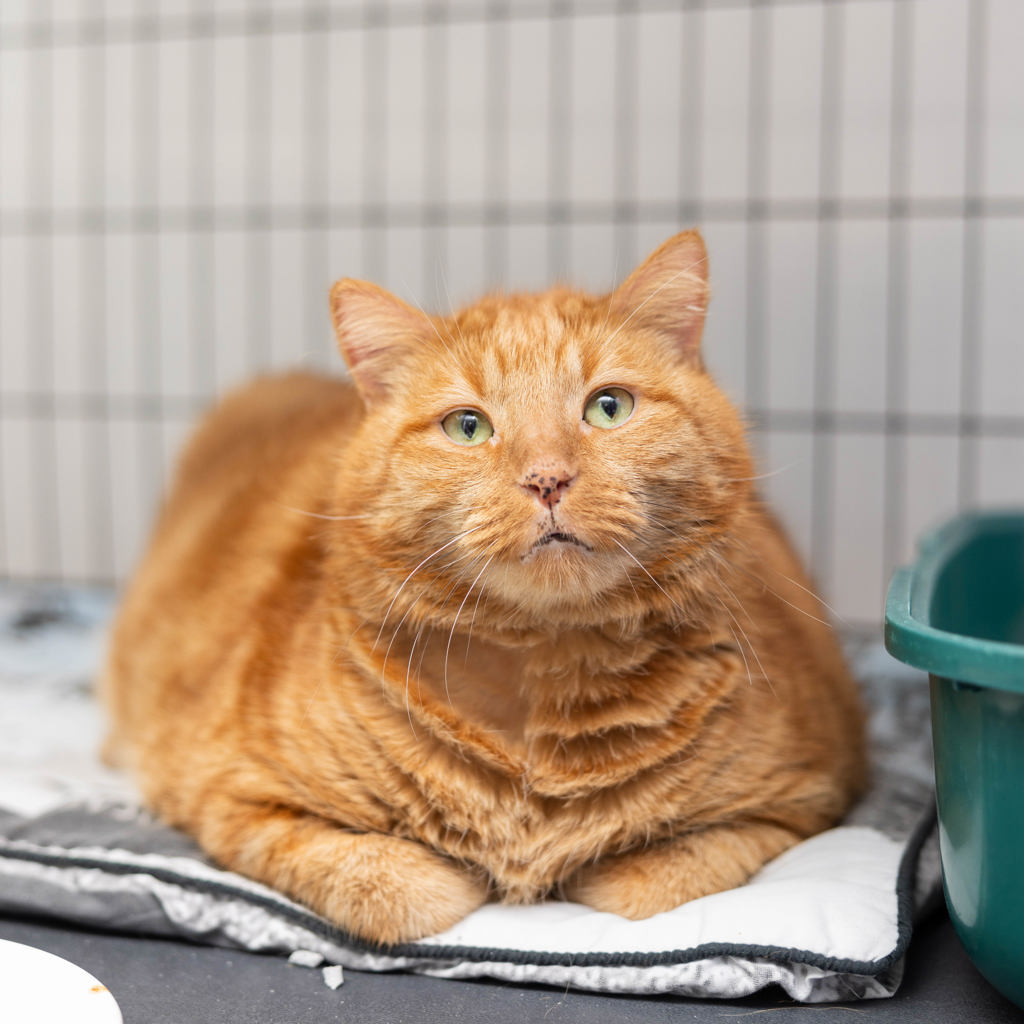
[[651, 880], [375, 886], [389, 890]]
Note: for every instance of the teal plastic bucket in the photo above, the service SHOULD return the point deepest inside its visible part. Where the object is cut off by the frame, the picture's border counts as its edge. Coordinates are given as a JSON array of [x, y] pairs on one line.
[[958, 613]]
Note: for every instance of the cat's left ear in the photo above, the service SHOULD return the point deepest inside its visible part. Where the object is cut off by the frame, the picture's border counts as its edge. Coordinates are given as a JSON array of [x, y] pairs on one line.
[[374, 329], [668, 293]]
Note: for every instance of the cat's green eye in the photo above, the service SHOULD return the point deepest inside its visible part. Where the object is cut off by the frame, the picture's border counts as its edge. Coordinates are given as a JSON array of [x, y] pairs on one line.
[[609, 407], [467, 427]]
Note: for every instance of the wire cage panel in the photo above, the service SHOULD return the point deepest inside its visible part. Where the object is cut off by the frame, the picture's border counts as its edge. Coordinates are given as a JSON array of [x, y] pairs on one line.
[[180, 183]]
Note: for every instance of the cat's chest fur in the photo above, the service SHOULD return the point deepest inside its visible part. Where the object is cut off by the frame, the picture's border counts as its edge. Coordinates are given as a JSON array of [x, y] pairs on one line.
[[483, 685], [528, 761]]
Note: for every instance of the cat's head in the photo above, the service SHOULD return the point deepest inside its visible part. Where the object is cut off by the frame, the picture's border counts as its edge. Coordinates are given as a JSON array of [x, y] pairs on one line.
[[559, 456]]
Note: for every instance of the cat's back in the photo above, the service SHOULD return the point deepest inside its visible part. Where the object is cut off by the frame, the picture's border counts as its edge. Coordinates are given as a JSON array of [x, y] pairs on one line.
[[271, 426], [240, 531], [255, 472]]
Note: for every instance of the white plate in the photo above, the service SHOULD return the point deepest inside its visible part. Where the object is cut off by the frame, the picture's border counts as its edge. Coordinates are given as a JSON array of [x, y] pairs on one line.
[[41, 988]]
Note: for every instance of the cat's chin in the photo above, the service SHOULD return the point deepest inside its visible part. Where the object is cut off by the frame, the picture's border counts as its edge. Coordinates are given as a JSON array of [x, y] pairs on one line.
[[559, 574]]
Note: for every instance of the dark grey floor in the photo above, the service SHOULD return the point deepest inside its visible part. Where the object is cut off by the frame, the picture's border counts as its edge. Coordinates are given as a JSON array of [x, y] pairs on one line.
[[159, 982]]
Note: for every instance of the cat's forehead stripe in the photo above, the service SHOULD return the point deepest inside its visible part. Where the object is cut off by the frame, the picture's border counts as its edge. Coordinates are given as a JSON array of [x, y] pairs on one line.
[[522, 352], [544, 330]]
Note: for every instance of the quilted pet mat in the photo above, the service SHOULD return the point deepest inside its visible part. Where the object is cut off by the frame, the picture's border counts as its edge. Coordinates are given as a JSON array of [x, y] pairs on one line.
[[829, 920]]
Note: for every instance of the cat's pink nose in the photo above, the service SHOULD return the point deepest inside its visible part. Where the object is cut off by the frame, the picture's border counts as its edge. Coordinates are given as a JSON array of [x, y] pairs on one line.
[[547, 482]]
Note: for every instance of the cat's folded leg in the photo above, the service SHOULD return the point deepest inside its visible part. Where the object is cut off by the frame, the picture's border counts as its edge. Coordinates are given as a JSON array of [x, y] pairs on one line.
[[660, 877], [378, 887]]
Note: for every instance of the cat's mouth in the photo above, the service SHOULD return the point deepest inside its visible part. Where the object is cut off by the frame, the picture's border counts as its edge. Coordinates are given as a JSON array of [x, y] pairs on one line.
[[559, 538]]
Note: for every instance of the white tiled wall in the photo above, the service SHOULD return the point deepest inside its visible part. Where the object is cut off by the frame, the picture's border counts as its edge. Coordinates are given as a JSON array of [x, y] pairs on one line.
[[180, 182]]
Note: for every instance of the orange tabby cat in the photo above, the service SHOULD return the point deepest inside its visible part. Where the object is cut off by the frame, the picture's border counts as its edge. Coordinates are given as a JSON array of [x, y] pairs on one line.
[[506, 619]]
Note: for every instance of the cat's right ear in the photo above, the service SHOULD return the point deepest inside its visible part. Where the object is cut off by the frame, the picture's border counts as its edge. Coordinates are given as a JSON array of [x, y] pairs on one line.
[[374, 328], [668, 292]]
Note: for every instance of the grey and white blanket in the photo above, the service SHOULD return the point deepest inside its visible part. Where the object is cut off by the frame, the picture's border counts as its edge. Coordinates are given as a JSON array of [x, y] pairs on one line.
[[828, 920]]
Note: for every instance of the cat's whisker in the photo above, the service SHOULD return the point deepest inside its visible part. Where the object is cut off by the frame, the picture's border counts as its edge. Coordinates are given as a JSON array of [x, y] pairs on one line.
[[665, 527], [444, 547], [451, 305], [649, 576], [776, 594], [440, 337], [763, 476], [318, 515], [716, 555], [817, 597], [418, 637], [609, 306], [743, 632], [427, 317], [423, 653], [679, 512], [447, 512], [739, 647], [800, 586], [629, 580], [455, 622], [681, 518], [408, 674], [472, 618], [470, 555], [739, 567], [725, 586], [412, 605], [397, 630], [452, 587]]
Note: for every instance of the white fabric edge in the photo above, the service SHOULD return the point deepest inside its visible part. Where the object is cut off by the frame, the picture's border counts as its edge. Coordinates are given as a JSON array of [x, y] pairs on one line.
[[267, 925], [851, 871]]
